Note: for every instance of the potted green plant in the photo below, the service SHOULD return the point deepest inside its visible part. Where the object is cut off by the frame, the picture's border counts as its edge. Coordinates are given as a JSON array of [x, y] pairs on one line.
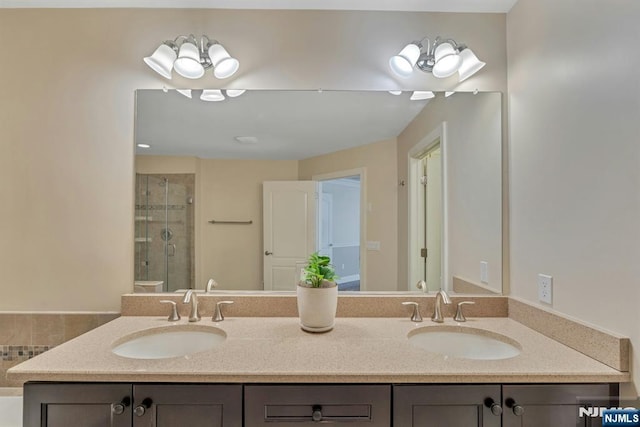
[[317, 294]]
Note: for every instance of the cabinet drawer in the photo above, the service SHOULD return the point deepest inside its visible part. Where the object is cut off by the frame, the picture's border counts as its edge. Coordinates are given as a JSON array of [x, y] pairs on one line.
[[289, 405]]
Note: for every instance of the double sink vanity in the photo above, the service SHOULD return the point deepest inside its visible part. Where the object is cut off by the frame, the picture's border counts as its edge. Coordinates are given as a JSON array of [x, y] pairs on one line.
[[377, 367]]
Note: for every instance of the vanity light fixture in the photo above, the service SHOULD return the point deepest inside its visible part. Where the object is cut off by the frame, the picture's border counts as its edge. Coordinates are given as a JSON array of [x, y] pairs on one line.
[[185, 92], [442, 58], [212, 95], [191, 57], [420, 95], [233, 93], [416, 95]]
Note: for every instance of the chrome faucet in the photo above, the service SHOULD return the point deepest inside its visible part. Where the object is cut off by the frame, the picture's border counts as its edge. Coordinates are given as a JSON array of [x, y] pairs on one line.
[[441, 297], [191, 297]]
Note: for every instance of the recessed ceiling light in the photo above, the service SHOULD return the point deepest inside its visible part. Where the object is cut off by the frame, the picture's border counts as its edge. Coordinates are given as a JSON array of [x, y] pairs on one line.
[[143, 145], [246, 139], [395, 92]]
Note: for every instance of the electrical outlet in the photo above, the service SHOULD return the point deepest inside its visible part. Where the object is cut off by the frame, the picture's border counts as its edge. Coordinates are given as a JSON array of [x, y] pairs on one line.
[[545, 288], [484, 272]]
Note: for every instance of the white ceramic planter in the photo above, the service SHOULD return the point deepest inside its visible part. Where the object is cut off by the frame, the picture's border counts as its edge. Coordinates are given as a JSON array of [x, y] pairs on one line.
[[317, 308]]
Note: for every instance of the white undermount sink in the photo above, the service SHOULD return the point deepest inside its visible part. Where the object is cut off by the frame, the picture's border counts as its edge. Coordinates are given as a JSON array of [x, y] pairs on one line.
[[166, 342], [464, 342]]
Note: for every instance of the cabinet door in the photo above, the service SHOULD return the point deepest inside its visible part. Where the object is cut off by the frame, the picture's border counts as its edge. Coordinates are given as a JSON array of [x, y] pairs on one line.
[[193, 405], [64, 405], [298, 405], [537, 405], [446, 405]]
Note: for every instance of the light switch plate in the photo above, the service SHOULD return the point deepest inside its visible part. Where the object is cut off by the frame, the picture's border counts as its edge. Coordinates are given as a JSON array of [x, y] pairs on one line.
[[484, 272], [373, 245], [545, 288]]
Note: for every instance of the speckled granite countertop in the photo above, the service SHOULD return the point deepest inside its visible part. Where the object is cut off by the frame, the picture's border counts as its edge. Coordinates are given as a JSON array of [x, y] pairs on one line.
[[357, 350]]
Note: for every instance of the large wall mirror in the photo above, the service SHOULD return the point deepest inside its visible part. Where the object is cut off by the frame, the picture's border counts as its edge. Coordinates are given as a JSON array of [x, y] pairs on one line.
[[243, 187]]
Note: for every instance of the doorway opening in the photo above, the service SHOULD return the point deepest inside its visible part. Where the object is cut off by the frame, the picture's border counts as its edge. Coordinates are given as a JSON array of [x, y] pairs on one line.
[[340, 225], [427, 213]]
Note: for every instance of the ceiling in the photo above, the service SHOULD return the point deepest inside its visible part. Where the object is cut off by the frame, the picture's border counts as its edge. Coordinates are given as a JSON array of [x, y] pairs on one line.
[[482, 6], [289, 125]]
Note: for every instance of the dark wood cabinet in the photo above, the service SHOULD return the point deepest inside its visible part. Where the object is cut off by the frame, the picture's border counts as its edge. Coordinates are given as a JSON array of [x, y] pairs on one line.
[[447, 405], [132, 405], [295, 405], [540, 405], [282, 405], [64, 405], [193, 405]]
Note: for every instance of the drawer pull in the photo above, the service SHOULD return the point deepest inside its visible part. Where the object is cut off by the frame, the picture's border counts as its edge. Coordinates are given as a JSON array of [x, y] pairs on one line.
[[316, 415]]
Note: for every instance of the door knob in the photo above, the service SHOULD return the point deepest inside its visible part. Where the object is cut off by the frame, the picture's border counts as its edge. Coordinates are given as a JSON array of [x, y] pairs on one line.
[[268, 253]]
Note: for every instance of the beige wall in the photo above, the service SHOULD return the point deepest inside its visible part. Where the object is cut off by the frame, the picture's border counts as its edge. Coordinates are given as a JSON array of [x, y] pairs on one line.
[[381, 189], [575, 158], [232, 190], [166, 164], [474, 174], [66, 119], [226, 190]]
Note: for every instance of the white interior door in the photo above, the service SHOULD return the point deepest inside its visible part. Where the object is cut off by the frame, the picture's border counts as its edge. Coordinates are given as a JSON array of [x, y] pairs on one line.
[[433, 219], [289, 216]]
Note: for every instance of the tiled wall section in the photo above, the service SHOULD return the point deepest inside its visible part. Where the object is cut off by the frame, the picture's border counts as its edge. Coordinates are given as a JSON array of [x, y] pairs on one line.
[[25, 335]]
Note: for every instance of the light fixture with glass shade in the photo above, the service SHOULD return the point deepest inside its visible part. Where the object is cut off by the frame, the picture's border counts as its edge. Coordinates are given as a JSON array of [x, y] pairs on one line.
[[442, 58], [190, 58], [212, 95]]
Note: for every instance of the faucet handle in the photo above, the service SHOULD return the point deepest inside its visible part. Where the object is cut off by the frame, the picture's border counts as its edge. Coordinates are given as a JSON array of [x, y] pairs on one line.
[[422, 285], [415, 316], [217, 316], [174, 316], [211, 283], [459, 317]]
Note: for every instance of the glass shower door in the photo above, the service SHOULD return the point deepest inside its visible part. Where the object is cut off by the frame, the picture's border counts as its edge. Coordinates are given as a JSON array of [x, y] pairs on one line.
[[164, 230]]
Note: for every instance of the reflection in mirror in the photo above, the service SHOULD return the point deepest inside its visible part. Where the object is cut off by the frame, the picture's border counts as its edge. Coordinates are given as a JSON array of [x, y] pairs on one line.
[[395, 191]]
